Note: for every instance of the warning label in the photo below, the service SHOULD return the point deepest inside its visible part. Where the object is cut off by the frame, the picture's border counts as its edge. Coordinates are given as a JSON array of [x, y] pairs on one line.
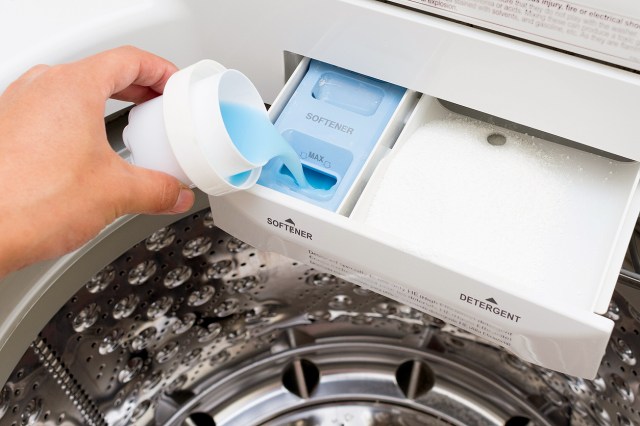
[[596, 32], [444, 311]]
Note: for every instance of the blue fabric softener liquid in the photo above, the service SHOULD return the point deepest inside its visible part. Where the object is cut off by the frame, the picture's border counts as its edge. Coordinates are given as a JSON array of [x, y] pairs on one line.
[[258, 140]]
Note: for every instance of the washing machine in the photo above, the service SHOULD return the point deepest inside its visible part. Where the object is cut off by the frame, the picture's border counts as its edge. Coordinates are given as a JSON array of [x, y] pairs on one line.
[[170, 320]]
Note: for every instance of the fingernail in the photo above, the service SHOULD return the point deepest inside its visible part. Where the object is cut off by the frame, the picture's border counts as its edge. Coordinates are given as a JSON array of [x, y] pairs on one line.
[[184, 202]]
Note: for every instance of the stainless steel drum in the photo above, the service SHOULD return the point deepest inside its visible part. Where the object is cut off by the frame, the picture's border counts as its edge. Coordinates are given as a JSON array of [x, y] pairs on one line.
[[194, 327], [191, 326]]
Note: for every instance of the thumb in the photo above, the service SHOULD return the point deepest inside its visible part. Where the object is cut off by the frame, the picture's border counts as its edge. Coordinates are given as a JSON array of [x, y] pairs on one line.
[[152, 192]]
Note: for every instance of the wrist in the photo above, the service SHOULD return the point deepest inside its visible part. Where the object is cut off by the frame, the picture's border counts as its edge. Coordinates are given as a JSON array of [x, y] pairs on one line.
[[15, 240]]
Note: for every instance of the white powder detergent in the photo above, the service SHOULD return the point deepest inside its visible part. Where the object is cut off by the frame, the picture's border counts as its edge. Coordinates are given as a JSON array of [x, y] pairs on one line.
[[537, 214]]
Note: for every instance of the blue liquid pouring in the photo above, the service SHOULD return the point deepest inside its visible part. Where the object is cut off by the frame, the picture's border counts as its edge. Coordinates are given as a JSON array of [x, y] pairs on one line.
[[258, 140]]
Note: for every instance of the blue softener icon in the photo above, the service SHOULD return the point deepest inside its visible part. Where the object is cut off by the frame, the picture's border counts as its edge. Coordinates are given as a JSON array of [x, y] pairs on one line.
[[332, 121]]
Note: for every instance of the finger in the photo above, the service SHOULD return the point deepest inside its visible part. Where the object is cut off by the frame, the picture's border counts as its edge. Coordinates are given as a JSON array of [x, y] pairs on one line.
[[152, 192], [136, 94], [117, 69]]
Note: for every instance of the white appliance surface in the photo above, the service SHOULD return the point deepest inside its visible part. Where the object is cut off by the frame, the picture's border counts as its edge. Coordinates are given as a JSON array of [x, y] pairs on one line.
[[575, 98]]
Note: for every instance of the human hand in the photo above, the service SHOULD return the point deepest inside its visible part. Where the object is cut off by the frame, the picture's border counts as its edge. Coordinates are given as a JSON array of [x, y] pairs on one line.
[[61, 181]]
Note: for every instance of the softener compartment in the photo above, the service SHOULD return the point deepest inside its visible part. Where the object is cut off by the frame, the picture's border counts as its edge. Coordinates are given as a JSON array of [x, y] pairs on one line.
[[513, 238], [335, 120]]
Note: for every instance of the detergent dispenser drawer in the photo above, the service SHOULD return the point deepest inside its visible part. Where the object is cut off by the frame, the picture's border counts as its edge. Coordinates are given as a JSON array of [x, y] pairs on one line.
[[545, 224]]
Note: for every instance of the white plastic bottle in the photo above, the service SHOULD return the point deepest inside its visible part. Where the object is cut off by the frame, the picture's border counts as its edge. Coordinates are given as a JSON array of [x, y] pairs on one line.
[[182, 132]]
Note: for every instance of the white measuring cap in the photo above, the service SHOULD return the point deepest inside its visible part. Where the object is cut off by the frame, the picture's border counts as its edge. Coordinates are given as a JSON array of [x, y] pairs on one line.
[[183, 133]]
